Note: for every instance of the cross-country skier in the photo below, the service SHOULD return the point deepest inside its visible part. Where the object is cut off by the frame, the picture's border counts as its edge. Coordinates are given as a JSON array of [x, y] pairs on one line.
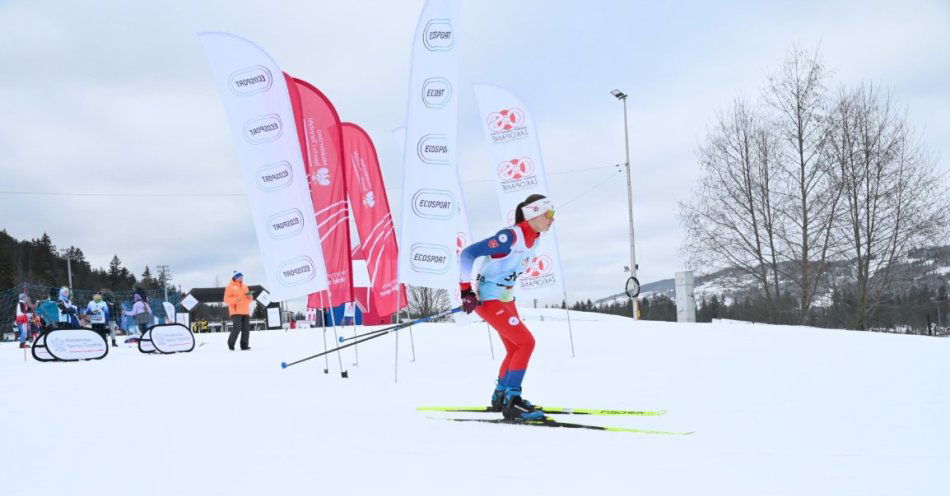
[[510, 251]]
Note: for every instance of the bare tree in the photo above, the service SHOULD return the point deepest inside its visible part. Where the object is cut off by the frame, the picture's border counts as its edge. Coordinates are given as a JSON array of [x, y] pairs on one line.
[[893, 196], [808, 194], [424, 302], [730, 221]]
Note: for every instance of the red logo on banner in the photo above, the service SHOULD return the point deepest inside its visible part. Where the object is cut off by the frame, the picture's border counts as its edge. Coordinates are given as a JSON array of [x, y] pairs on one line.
[[515, 169], [506, 120], [539, 266], [461, 241]]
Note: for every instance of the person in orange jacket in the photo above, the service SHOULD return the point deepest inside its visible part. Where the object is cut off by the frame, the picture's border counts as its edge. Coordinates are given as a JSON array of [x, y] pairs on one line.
[[238, 297]]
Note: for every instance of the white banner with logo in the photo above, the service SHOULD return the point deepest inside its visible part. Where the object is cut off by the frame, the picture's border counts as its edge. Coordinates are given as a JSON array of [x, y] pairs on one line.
[[259, 111], [170, 338], [519, 172], [69, 345], [462, 238], [432, 212]]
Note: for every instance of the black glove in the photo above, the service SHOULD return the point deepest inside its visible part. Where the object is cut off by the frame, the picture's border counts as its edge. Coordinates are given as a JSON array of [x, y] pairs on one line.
[[469, 299]]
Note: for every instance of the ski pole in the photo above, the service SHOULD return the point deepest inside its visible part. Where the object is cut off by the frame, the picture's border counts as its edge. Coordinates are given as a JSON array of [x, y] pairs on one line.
[[344, 339], [380, 333]]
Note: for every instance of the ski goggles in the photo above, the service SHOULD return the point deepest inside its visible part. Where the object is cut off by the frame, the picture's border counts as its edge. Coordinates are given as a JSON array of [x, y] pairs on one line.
[[544, 206]]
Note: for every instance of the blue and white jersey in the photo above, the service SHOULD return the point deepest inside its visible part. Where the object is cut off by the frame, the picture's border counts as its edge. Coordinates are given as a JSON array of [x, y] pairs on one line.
[[98, 312], [509, 255]]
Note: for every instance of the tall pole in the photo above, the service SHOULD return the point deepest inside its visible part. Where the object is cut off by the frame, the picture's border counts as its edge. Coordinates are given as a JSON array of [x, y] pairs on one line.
[[633, 249], [69, 272]]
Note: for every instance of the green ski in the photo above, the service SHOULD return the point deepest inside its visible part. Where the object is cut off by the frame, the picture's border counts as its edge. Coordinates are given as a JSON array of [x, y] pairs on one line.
[[567, 425], [552, 410]]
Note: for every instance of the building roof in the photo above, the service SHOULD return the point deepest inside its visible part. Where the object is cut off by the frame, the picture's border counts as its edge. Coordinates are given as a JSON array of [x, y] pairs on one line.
[[216, 295]]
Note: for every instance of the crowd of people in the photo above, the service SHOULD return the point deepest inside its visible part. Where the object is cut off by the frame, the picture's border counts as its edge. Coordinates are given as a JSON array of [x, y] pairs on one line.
[[102, 314], [108, 317]]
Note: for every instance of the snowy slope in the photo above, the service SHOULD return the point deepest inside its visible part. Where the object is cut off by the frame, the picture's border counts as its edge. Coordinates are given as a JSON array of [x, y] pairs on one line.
[[776, 410]]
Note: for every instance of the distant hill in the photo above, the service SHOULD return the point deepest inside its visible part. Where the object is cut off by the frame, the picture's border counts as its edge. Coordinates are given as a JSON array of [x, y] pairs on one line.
[[928, 267]]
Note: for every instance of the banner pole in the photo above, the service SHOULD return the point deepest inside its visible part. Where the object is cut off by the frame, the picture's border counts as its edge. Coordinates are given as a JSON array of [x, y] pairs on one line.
[[323, 319], [356, 349], [412, 342], [396, 359], [570, 330], [336, 337]]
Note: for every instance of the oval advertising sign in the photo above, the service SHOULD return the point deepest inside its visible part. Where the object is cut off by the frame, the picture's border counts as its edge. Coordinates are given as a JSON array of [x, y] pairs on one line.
[[434, 259], [433, 149], [172, 338], [434, 204], [246, 82], [275, 176], [296, 271], [263, 129], [75, 344], [285, 224], [167, 338], [437, 35], [436, 92]]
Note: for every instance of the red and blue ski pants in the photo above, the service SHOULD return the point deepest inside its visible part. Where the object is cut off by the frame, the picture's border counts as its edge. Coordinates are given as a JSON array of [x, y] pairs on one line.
[[519, 343]]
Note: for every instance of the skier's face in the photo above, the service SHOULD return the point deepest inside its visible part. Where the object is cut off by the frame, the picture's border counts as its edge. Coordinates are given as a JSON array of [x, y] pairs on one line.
[[542, 223]]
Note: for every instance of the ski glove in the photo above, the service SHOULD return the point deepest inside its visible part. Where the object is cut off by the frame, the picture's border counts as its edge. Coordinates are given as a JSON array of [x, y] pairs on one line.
[[469, 299]]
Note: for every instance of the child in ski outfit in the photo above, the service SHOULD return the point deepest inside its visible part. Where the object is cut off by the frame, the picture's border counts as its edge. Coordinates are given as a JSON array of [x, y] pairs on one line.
[[510, 252], [24, 314], [99, 316]]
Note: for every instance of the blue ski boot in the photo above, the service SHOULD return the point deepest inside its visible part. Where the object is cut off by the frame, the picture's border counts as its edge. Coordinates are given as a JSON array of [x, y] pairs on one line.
[[517, 408], [498, 399]]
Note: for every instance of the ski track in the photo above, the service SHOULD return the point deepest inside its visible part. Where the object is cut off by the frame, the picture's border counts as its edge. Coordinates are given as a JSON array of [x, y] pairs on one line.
[[776, 410]]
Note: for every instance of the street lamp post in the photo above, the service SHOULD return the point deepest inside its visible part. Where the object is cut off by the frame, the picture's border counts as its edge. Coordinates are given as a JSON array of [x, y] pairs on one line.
[[633, 251]]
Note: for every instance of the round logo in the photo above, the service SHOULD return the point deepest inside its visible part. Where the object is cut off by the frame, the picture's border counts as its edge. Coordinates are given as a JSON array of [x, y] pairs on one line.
[[503, 238], [513, 321], [540, 266], [505, 120], [515, 169], [460, 243], [369, 199], [322, 176]]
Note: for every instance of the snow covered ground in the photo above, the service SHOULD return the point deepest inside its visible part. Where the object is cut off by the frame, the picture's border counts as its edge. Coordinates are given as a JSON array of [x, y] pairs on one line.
[[775, 410]]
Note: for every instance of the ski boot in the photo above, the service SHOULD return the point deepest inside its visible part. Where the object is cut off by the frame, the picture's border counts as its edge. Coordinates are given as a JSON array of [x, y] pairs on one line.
[[498, 400], [517, 408]]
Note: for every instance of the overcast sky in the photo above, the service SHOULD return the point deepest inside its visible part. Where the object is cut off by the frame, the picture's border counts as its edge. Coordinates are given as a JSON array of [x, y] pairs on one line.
[[117, 97]]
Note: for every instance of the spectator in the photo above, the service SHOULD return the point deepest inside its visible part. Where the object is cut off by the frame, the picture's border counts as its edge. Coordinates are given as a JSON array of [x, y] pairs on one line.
[[24, 313], [141, 313], [113, 314], [48, 311], [238, 297], [67, 311], [98, 312]]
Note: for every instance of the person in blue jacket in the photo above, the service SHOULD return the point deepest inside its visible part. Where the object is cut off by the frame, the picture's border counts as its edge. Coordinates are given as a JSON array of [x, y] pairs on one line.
[[48, 310]]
